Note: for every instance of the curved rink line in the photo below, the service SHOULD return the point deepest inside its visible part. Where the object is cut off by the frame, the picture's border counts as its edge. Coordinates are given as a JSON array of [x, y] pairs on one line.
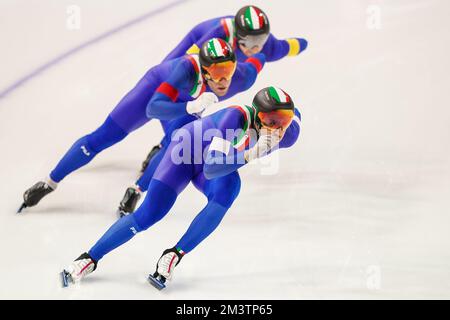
[[27, 77]]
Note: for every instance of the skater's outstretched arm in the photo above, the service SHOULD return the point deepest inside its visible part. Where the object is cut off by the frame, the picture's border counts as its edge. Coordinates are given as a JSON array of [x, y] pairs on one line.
[[276, 49], [248, 73]]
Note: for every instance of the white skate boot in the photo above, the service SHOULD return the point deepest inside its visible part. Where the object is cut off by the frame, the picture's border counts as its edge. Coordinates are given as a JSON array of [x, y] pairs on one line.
[[165, 268], [79, 269]]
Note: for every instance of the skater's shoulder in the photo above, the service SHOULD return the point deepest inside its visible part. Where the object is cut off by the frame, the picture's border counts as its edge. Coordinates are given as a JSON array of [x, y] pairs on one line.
[[183, 71], [233, 117]]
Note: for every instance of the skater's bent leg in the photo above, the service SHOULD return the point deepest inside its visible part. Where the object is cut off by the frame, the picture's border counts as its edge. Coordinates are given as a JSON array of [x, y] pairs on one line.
[[170, 180], [120, 232], [221, 193], [126, 117], [87, 147], [203, 225], [158, 202]]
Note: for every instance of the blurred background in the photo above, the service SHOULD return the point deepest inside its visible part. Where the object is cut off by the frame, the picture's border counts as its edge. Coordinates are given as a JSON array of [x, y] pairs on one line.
[[358, 209]]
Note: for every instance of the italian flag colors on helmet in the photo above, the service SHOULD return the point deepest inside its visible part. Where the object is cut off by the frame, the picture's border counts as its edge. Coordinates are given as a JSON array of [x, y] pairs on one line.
[[217, 48], [254, 18], [279, 95]]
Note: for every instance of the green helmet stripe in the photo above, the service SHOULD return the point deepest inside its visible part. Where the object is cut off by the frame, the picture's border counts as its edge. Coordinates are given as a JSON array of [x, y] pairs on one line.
[[279, 95], [248, 17], [253, 18], [274, 94], [212, 48]]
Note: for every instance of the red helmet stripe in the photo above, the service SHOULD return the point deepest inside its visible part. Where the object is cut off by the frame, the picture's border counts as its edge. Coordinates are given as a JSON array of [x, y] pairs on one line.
[[260, 16], [224, 46]]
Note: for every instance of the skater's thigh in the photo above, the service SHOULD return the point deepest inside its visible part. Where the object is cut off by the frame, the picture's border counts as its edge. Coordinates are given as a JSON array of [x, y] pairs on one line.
[[174, 174], [130, 113], [223, 190], [201, 183]]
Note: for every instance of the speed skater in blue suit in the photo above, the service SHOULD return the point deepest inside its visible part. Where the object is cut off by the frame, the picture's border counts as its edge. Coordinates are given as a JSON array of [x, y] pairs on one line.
[[248, 32], [207, 152], [178, 90]]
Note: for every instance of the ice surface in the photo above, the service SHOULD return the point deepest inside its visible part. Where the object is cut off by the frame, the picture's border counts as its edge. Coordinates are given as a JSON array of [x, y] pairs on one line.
[[358, 209]]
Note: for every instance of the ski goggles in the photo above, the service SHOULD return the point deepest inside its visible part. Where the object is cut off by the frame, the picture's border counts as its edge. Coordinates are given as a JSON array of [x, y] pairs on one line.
[[254, 41], [276, 119], [219, 71]]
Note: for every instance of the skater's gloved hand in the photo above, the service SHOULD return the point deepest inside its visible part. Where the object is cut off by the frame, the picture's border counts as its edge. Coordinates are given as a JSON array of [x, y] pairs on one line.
[[196, 107], [266, 142]]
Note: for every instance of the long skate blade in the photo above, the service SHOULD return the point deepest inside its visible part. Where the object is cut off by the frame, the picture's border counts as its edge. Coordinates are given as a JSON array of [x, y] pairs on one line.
[[65, 278], [23, 206], [155, 282]]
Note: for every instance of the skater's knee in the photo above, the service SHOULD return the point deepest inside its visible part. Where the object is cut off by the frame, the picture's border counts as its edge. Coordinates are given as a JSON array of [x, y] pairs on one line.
[[215, 213], [144, 219], [105, 136], [146, 216]]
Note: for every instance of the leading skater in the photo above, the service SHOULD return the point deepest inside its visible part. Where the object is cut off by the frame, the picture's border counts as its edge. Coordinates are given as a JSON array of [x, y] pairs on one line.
[[174, 89], [248, 32], [229, 139]]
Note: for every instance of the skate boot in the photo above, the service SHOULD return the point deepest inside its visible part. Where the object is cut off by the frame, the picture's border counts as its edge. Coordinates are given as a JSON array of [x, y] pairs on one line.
[[79, 269], [33, 195], [129, 201], [147, 160], [165, 267]]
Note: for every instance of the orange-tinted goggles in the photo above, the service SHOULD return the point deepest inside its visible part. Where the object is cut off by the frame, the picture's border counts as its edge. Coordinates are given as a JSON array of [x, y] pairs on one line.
[[221, 70], [276, 119]]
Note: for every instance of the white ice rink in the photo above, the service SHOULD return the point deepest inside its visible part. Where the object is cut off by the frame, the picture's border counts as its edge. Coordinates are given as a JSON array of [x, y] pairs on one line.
[[360, 207]]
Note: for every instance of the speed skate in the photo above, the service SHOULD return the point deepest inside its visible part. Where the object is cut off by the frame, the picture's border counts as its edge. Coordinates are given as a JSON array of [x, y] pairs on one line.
[[66, 278], [157, 281]]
